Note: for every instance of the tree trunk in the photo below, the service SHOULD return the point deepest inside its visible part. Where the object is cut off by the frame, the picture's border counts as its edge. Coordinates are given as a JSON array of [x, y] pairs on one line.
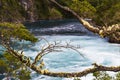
[[28, 5], [112, 32], [31, 10]]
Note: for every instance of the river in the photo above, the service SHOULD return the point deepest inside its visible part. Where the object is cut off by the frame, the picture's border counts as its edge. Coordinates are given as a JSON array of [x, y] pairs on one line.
[[94, 48]]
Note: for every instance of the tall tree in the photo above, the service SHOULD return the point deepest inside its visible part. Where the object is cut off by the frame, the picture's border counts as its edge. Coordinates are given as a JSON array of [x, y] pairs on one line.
[[9, 9]]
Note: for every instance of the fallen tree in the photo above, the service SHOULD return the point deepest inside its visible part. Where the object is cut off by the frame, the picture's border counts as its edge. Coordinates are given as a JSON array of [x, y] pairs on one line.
[[112, 32]]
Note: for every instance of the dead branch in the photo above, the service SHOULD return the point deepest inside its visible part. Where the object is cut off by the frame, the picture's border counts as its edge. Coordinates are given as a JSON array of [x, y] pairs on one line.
[[54, 47], [39, 70], [73, 74], [51, 48]]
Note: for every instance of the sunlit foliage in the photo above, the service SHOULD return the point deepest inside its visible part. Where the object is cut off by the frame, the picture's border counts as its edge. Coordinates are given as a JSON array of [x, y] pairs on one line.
[[16, 31], [13, 68]]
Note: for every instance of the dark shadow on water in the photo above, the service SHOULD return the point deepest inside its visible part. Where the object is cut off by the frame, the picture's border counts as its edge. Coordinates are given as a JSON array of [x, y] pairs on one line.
[[57, 27]]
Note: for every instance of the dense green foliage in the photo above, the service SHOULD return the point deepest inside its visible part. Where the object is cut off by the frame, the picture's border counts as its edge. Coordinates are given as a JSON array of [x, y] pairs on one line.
[[41, 9], [83, 8], [103, 12], [105, 76], [9, 32], [11, 10], [16, 31], [107, 11], [13, 67]]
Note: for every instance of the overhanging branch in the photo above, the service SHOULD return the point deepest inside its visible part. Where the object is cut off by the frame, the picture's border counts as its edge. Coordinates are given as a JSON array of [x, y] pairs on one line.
[[82, 21], [38, 68], [65, 74], [112, 33]]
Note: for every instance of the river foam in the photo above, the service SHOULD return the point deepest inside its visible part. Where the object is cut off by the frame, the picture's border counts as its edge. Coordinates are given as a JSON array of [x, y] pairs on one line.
[[94, 49]]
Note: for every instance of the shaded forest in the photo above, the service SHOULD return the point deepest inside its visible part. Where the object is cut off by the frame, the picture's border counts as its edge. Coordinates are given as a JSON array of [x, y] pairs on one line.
[[102, 12], [102, 17]]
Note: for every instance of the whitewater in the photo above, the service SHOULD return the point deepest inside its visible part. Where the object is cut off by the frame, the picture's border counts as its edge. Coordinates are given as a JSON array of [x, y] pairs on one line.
[[94, 48]]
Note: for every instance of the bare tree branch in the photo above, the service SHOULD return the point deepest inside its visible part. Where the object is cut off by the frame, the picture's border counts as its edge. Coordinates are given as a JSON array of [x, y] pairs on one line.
[[82, 21], [39, 70], [56, 46]]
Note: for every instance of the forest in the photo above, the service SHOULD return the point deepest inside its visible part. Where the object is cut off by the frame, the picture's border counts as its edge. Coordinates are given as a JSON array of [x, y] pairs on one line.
[[75, 32]]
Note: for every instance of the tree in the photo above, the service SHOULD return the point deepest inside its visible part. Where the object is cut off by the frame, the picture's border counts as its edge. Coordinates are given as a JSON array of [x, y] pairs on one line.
[[9, 64], [13, 33], [27, 10], [109, 28], [13, 67], [11, 8], [105, 12]]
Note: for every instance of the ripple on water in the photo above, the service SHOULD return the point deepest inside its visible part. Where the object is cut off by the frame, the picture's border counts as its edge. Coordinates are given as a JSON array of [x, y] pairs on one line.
[[93, 48]]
